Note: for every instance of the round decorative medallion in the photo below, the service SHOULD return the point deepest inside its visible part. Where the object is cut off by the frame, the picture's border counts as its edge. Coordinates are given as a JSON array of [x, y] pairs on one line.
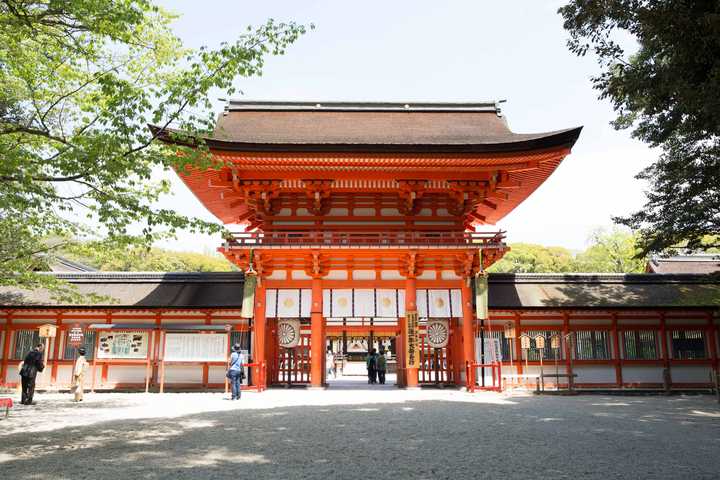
[[387, 303], [343, 302], [288, 303], [438, 333], [439, 302], [288, 333]]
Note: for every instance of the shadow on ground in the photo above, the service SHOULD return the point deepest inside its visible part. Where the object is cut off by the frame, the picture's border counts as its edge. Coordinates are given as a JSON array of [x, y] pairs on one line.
[[575, 437]]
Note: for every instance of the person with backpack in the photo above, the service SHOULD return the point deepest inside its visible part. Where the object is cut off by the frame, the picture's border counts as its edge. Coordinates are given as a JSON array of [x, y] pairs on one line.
[[235, 372], [381, 367], [32, 364], [371, 362]]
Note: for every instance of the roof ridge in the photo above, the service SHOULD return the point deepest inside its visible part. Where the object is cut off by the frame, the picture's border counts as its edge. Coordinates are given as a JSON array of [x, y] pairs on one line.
[[282, 105]]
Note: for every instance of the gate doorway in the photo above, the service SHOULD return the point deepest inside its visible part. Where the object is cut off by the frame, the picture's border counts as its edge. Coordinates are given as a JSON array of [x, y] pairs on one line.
[[288, 366]]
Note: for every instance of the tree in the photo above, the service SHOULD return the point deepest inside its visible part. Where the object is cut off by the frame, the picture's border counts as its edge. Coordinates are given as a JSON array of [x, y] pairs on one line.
[[80, 80], [531, 258], [667, 90], [128, 259], [615, 251]]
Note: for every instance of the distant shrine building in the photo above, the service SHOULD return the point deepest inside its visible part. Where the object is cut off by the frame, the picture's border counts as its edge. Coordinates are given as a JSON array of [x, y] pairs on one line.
[[369, 225]]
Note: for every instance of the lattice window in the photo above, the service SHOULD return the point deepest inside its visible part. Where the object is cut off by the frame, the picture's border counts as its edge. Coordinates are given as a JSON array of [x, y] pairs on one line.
[[688, 344], [640, 344], [534, 353], [88, 344], [25, 340], [504, 343], [592, 345], [243, 338]]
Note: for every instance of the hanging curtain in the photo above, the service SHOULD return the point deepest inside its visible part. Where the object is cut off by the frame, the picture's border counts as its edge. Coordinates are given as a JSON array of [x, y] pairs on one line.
[[481, 292], [248, 302]]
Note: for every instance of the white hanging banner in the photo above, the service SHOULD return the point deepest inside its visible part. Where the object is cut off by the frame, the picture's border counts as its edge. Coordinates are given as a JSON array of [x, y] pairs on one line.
[[288, 332], [364, 303], [271, 303], [386, 301], [437, 332], [305, 301], [288, 303], [196, 347], [342, 303], [438, 303], [421, 302], [456, 303]]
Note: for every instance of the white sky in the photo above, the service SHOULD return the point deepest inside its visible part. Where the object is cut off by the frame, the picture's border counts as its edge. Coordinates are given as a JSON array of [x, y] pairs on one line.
[[445, 51]]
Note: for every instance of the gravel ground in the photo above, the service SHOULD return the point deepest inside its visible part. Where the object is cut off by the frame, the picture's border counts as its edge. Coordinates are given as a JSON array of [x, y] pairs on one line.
[[356, 432]]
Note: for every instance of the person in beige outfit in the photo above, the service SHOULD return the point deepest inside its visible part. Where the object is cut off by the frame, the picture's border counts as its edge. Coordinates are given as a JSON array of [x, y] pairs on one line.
[[78, 375]]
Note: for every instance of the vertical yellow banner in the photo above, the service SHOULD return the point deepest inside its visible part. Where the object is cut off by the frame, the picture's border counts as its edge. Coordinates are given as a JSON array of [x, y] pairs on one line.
[[412, 345], [481, 296], [248, 301]]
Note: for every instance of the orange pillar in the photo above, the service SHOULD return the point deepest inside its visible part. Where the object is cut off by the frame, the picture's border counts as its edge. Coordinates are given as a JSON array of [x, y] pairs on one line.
[[6, 349], [411, 374], [258, 353], [56, 348], [468, 325], [617, 361], [317, 335]]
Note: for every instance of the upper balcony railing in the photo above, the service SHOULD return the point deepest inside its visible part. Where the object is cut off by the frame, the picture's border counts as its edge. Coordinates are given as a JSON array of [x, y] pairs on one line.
[[350, 239]]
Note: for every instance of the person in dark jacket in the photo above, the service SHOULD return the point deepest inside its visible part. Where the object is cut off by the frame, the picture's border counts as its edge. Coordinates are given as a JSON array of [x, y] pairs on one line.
[[31, 366]]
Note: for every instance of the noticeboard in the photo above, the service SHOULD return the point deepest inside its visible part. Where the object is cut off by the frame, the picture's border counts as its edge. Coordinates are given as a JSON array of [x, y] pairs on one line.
[[412, 353], [196, 347], [130, 345], [75, 336]]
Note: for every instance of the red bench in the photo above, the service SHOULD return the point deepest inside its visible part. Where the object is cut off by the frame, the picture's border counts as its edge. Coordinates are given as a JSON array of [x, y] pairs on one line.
[[7, 403]]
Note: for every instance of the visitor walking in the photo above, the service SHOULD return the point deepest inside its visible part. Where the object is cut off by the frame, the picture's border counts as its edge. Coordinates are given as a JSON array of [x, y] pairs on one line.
[[381, 367], [32, 364], [235, 371], [330, 364], [78, 376], [372, 367]]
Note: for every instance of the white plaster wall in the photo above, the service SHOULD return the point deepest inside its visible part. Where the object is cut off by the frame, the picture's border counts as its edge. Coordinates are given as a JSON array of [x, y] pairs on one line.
[[216, 374], [391, 275], [299, 275], [127, 374], [594, 373], [449, 275], [64, 375], [183, 373], [337, 275], [690, 374], [363, 275], [642, 374], [278, 275]]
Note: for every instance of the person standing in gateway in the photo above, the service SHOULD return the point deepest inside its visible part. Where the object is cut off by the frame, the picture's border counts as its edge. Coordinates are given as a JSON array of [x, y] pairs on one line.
[[235, 371], [381, 365], [78, 375]]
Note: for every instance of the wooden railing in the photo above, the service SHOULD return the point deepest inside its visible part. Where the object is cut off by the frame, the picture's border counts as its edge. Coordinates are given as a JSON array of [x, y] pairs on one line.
[[391, 238]]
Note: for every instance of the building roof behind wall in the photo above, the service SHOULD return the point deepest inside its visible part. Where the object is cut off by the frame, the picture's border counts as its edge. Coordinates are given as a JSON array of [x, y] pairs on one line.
[[698, 263], [507, 291], [603, 290], [147, 290]]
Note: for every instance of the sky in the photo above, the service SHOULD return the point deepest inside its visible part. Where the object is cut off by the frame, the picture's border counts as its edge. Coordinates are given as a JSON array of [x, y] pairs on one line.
[[443, 51]]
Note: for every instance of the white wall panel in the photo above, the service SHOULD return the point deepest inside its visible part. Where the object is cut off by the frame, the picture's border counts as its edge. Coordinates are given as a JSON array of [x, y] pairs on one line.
[[421, 301], [305, 302], [341, 303], [456, 301], [271, 303], [364, 303], [642, 374], [288, 305], [386, 301], [690, 374], [439, 303]]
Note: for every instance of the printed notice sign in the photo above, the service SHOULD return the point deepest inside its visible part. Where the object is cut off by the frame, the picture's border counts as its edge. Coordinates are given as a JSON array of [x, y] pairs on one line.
[[123, 345], [412, 352], [196, 347]]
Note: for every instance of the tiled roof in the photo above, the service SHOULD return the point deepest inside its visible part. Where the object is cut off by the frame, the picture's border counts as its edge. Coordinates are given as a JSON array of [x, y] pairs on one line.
[[708, 263], [507, 291]]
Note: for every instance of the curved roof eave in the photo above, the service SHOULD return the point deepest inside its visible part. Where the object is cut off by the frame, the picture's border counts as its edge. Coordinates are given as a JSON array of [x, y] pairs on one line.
[[524, 142]]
